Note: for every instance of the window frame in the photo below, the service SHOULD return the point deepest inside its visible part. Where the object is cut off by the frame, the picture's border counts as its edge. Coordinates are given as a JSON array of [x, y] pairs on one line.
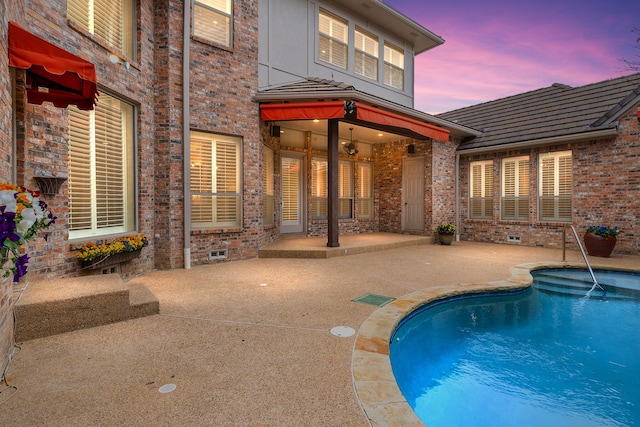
[[225, 14], [361, 52], [319, 188], [518, 201], [392, 67], [560, 201], [205, 192], [97, 193], [82, 14], [485, 187], [332, 41], [365, 191], [268, 186]]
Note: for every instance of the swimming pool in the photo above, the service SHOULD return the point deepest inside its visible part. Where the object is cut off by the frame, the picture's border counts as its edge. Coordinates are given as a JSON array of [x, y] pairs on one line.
[[547, 355]]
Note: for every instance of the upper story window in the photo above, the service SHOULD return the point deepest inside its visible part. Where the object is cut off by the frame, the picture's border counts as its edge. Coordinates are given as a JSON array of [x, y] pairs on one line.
[[212, 21], [101, 169], [555, 186], [481, 190], [334, 39], [515, 188], [393, 66], [110, 20], [366, 54]]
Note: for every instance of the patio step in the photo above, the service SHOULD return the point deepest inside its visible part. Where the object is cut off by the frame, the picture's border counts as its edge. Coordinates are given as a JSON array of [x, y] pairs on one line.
[[63, 305]]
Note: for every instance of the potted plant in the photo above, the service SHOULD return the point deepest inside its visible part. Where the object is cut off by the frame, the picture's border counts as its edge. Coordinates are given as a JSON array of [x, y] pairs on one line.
[[22, 214], [445, 233], [599, 240], [118, 250]]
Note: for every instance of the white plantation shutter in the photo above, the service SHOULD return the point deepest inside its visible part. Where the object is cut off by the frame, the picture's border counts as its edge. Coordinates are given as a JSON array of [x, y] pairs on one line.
[[215, 181], [212, 20], [319, 178], [345, 189], [333, 38], [515, 189], [101, 184], [481, 190], [290, 190], [555, 187], [110, 20], [267, 187], [366, 54], [80, 170], [393, 66], [365, 190]]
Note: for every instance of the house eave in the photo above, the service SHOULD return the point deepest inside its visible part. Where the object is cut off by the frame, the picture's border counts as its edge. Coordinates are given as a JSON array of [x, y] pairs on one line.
[[604, 133]]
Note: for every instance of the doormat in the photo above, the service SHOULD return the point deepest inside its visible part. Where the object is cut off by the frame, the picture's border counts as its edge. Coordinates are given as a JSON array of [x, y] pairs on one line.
[[373, 299]]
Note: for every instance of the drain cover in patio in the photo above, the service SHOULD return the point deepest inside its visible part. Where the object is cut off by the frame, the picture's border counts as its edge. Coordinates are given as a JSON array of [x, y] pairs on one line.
[[373, 299]]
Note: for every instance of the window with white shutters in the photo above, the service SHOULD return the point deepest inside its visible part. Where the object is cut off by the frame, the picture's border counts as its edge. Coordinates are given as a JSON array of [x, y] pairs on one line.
[[334, 39], [215, 181], [101, 169], [319, 188], [267, 186], [112, 21], [366, 54], [555, 187], [365, 190], [393, 66], [515, 189], [481, 190], [212, 21]]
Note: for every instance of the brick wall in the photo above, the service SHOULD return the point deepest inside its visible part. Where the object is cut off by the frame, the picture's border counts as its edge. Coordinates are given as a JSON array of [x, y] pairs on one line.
[[606, 184]]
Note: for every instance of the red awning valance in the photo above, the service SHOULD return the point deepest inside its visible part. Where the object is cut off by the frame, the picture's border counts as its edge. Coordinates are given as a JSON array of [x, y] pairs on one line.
[[363, 113], [303, 111], [371, 114], [53, 74]]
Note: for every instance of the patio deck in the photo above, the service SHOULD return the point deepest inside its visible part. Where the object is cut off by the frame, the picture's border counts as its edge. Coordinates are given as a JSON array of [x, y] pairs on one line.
[[245, 343]]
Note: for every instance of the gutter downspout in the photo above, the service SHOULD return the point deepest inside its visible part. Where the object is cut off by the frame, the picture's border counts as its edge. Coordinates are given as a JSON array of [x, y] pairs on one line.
[[186, 146], [457, 192]]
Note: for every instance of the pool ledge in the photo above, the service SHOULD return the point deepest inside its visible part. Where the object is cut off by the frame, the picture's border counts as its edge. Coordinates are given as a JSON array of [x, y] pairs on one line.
[[374, 382]]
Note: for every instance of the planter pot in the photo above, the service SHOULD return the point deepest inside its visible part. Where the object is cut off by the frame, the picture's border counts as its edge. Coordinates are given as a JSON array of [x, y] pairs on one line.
[[598, 245], [111, 259], [445, 238]]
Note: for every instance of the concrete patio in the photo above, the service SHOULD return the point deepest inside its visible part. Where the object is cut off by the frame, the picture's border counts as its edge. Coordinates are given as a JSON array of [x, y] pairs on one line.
[[245, 343]]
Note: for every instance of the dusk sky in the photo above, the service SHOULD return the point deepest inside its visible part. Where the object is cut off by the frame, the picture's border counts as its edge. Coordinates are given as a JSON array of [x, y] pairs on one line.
[[498, 48]]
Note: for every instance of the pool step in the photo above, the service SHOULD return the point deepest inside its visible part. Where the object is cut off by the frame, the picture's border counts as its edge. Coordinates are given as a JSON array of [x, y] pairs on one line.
[[577, 286]]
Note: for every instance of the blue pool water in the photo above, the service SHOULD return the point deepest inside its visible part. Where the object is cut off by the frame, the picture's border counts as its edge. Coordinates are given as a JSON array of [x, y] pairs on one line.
[[553, 355]]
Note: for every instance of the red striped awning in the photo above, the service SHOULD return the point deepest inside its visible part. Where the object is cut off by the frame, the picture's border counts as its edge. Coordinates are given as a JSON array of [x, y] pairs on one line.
[[303, 111], [371, 114], [53, 74], [323, 110]]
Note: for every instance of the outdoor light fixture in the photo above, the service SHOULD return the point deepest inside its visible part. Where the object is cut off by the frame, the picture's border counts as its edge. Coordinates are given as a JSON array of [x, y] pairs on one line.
[[351, 147]]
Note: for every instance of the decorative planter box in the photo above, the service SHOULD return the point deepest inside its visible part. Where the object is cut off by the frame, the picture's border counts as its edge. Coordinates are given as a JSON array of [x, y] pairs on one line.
[[111, 259]]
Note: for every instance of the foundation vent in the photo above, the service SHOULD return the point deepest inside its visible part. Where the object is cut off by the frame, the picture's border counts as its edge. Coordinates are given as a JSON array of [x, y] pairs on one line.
[[218, 254], [514, 239]]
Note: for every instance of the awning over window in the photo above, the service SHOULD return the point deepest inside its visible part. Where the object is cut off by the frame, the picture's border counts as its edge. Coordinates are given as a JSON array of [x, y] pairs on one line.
[[363, 113], [303, 111], [371, 114], [53, 74]]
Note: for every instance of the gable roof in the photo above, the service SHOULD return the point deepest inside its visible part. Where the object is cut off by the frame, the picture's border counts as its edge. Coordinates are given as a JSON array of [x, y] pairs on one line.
[[548, 115]]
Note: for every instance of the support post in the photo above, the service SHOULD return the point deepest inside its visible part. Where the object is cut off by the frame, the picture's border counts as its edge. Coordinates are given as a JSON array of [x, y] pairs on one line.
[[332, 184]]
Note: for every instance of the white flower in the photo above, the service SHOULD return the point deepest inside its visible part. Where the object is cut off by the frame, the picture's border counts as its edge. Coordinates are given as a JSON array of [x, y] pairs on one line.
[[8, 199], [28, 218]]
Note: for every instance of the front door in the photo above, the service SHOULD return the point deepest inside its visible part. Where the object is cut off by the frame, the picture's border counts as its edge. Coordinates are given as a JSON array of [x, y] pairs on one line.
[[413, 194], [292, 195]]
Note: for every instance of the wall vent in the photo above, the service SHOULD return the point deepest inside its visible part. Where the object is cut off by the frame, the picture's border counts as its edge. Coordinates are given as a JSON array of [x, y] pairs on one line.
[[218, 254], [514, 239]]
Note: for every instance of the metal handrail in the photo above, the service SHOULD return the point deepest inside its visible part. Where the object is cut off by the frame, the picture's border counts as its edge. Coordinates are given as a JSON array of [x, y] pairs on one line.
[[584, 255]]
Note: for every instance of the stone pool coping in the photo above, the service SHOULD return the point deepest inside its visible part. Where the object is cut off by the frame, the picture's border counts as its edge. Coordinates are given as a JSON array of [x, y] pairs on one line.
[[373, 379]]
